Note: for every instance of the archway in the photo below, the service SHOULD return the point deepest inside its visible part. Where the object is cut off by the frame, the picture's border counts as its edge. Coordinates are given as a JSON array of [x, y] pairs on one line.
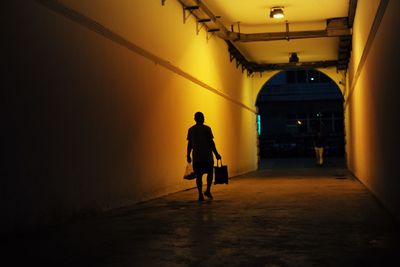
[[292, 106]]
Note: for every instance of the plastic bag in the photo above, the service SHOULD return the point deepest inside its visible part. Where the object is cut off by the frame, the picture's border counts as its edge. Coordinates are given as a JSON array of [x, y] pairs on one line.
[[189, 173]]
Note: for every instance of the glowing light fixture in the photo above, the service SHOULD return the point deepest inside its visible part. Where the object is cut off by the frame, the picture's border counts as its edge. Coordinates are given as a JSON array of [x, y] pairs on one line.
[[276, 12]]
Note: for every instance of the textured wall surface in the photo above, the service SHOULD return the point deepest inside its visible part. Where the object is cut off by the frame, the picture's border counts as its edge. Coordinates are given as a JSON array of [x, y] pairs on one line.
[[100, 97]]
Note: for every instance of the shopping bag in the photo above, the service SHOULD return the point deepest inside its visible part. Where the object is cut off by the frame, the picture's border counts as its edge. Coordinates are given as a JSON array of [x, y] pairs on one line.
[[189, 173], [220, 173]]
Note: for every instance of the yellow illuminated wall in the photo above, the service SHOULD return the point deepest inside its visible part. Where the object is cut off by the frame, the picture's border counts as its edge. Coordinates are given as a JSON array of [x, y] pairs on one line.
[[103, 93], [372, 109]]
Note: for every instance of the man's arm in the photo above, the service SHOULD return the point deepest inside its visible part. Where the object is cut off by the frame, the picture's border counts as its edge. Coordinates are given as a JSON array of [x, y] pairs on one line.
[[214, 149], [188, 151]]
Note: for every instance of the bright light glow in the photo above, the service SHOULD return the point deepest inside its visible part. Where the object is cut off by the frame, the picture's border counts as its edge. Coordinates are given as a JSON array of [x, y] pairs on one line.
[[259, 124], [276, 13], [299, 122], [312, 78], [278, 16]]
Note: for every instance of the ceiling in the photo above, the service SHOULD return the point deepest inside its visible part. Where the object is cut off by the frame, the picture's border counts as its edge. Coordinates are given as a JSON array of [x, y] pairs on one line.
[[317, 30]]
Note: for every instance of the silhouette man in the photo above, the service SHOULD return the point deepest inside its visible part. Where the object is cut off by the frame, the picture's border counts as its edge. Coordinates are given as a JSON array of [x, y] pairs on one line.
[[200, 141]]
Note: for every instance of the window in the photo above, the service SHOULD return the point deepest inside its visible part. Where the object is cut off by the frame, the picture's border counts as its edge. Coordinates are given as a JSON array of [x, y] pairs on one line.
[[302, 76], [313, 76], [291, 76]]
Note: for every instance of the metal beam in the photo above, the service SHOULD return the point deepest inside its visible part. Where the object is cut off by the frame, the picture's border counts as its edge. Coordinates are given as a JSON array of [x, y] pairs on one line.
[[222, 30], [335, 28], [352, 12], [283, 66], [274, 36]]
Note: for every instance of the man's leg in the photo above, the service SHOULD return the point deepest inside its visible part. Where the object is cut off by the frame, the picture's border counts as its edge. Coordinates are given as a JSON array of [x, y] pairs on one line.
[[316, 154], [199, 183], [207, 193], [321, 156]]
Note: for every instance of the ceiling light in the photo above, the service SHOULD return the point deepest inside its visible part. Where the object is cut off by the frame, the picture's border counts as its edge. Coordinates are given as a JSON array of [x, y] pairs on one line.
[[276, 12]]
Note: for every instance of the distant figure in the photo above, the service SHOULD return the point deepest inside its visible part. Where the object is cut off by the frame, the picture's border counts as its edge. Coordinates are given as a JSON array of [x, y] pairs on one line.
[[200, 140], [319, 148]]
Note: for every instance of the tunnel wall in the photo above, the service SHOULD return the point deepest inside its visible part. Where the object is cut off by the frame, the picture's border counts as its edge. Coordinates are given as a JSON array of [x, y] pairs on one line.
[[100, 95], [372, 107]]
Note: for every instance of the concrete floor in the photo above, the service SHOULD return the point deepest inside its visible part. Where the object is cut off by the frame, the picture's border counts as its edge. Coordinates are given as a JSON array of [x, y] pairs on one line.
[[291, 213]]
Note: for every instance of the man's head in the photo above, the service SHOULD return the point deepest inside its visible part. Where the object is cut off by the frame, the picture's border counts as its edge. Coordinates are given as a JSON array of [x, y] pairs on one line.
[[199, 117]]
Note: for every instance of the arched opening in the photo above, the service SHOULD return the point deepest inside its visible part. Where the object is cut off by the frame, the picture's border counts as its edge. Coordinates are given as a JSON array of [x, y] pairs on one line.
[[293, 106]]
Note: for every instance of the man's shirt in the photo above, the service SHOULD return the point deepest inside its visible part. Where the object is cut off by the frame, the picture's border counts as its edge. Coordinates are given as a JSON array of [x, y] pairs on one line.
[[201, 137]]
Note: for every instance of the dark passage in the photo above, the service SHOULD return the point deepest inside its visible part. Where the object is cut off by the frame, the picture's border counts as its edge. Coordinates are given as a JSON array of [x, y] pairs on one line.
[[293, 106]]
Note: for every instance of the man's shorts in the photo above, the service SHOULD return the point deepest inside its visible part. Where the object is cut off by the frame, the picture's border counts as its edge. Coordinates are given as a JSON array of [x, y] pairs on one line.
[[201, 168]]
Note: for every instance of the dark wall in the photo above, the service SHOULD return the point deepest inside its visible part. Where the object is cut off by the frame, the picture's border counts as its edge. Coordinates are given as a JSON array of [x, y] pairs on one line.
[[373, 132]]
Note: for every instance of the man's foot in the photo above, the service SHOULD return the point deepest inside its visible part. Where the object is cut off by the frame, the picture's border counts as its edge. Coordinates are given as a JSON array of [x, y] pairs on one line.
[[208, 194], [201, 197]]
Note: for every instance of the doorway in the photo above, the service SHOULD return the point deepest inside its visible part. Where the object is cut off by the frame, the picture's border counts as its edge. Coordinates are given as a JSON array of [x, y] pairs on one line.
[[292, 107]]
